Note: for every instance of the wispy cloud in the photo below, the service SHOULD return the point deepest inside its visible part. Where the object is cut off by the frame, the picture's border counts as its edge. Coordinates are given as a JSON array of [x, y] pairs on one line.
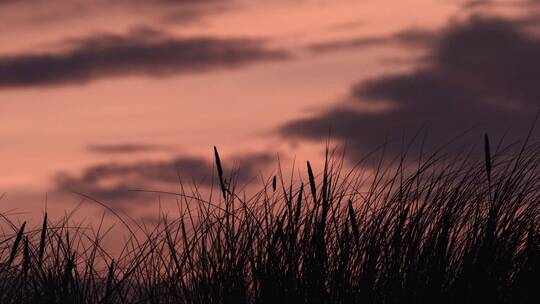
[[472, 4], [111, 182], [411, 37], [136, 53], [127, 148], [42, 13]]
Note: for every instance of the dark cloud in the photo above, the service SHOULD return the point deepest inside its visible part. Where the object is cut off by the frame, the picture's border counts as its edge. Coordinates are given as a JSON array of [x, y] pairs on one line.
[[136, 53], [111, 182], [411, 37], [126, 148], [482, 73]]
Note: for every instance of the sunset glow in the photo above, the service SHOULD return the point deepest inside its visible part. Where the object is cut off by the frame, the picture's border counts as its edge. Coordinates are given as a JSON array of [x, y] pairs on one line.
[[148, 85]]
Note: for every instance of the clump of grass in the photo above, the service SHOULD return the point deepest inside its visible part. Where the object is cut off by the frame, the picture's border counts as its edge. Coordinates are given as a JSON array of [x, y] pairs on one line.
[[449, 229]]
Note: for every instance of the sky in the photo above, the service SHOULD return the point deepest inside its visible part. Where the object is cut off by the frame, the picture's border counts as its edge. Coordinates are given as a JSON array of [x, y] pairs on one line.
[[98, 97]]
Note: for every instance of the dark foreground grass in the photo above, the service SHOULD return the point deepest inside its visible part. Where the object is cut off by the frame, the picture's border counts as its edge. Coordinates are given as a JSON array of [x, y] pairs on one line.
[[449, 228]]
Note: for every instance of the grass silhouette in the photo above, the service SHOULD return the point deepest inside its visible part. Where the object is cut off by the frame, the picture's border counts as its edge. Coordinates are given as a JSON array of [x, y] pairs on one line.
[[449, 228]]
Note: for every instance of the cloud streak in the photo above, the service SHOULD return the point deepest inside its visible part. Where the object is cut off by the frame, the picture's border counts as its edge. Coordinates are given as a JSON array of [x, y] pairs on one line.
[[135, 53], [126, 148], [111, 182], [411, 37]]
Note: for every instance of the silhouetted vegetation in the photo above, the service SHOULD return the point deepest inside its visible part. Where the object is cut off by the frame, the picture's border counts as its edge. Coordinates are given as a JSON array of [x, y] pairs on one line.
[[443, 228]]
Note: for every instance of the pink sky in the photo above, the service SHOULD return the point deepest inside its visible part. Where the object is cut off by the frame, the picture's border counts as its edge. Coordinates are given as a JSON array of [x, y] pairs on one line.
[[262, 65]]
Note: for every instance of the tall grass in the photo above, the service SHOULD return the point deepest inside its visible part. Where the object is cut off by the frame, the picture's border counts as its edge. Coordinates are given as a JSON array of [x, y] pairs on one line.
[[448, 228]]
